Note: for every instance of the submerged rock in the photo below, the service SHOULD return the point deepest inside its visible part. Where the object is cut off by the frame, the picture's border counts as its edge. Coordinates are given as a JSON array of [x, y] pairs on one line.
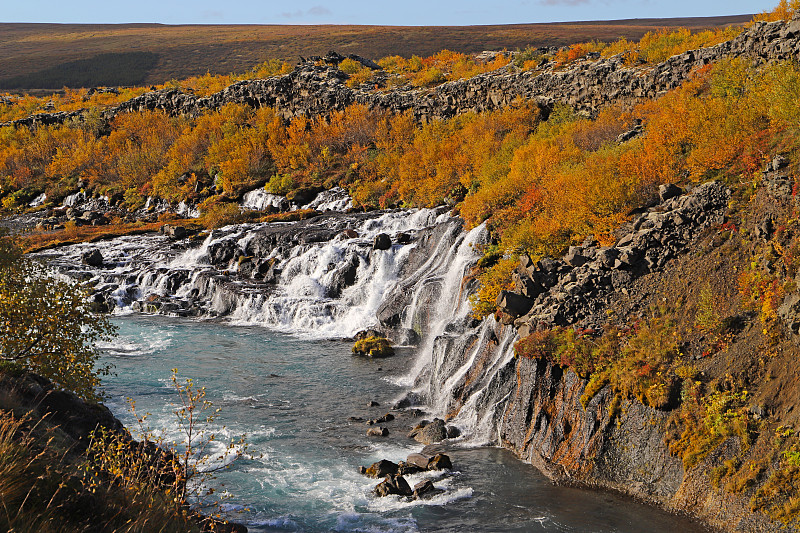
[[377, 432], [388, 417]]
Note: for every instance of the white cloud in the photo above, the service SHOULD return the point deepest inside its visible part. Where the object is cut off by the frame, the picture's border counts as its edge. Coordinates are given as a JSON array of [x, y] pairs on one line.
[[314, 12]]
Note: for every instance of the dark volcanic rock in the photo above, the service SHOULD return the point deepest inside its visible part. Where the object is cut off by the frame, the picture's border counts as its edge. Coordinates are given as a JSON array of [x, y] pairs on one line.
[[440, 462], [377, 432], [513, 304], [174, 232], [425, 490], [393, 485], [381, 242], [381, 469], [32, 393], [92, 258], [577, 290], [314, 89], [430, 433]]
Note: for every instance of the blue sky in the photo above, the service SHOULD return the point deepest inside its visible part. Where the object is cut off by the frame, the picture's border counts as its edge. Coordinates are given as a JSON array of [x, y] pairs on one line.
[[395, 12]]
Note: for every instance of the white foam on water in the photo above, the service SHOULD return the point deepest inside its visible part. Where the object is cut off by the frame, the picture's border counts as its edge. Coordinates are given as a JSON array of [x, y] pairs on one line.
[[364, 522], [395, 503], [145, 342], [283, 522]]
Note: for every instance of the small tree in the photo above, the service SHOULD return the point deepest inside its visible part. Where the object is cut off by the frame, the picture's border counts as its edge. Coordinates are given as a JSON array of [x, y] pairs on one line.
[[47, 326], [183, 469], [194, 416]]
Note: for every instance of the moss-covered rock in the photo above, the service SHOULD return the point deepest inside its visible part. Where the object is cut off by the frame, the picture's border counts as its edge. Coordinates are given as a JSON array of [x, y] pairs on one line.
[[373, 346]]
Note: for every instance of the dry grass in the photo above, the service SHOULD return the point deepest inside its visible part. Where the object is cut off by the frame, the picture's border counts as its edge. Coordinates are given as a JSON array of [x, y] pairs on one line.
[[192, 50], [38, 241]]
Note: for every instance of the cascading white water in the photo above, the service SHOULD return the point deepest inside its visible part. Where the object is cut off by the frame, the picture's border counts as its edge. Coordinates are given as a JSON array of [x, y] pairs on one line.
[[439, 298], [461, 370], [39, 200], [335, 199], [310, 299], [74, 199], [260, 200], [480, 416]]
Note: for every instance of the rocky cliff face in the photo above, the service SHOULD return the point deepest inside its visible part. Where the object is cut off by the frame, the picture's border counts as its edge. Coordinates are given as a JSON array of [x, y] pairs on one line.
[[317, 88], [579, 289], [546, 425]]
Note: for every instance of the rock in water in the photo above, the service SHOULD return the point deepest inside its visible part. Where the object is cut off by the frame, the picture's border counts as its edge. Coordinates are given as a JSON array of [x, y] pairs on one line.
[[419, 460], [388, 417], [432, 433], [174, 232], [425, 490], [381, 242], [377, 432], [440, 461], [93, 258], [374, 347], [406, 469], [381, 469], [393, 485]]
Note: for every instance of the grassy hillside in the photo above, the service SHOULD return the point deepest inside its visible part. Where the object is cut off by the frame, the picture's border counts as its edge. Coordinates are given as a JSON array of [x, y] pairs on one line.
[[50, 56]]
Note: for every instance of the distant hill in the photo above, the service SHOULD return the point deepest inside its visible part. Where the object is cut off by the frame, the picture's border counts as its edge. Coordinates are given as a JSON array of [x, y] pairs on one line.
[[51, 56]]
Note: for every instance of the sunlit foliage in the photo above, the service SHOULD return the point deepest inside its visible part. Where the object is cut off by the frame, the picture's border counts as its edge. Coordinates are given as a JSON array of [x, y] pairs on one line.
[[46, 325]]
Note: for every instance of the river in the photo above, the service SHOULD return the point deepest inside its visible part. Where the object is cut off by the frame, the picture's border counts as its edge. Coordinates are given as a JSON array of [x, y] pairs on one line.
[[293, 397]]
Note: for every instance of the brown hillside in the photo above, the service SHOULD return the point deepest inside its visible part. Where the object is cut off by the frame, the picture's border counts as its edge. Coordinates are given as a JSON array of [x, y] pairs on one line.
[[49, 56]]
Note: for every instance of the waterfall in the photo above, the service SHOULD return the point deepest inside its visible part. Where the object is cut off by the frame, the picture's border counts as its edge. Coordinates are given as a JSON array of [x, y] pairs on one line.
[[329, 287], [329, 277]]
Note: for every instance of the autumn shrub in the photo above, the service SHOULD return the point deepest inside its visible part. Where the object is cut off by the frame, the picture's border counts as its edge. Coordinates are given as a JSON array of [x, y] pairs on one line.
[[779, 495], [570, 54], [46, 325], [357, 73], [216, 213], [707, 421], [658, 46], [438, 68], [581, 351], [639, 363], [785, 10], [493, 280], [762, 291]]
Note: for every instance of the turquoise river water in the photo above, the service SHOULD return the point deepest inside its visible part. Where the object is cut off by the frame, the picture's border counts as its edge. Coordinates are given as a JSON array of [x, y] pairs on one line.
[[298, 402]]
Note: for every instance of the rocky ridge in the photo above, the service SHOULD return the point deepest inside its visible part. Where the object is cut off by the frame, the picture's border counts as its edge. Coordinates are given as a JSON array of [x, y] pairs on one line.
[[317, 87], [577, 289]]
